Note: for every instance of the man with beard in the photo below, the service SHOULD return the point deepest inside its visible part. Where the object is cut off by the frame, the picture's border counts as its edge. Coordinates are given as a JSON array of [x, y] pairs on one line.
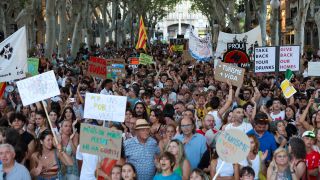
[[157, 101], [247, 94], [172, 96], [238, 123], [140, 111], [179, 108], [266, 139], [264, 95]]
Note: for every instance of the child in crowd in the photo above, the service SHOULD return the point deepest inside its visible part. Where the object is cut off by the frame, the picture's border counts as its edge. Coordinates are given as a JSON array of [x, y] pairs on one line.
[[167, 162]]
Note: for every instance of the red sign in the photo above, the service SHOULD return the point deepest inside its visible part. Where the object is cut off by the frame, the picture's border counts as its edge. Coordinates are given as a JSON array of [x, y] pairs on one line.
[[236, 56], [134, 60], [97, 67]]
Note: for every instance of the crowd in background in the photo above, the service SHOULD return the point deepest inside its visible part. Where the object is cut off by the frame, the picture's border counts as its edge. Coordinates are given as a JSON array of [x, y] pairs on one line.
[[175, 112]]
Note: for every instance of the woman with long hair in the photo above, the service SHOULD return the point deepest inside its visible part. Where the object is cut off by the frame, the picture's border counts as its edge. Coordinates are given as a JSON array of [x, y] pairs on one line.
[[182, 165], [41, 122], [69, 115], [255, 159], [53, 115], [69, 141], [158, 124], [47, 162], [297, 151], [280, 168], [169, 134]]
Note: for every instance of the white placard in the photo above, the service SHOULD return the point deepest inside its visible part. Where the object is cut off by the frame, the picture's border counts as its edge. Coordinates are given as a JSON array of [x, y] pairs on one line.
[[265, 59], [105, 107], [289, 58], [314, 69], [37, 88]]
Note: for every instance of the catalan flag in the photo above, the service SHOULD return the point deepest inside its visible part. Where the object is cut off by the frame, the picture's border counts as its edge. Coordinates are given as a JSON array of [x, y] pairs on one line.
[[142, 41], [2, 88]]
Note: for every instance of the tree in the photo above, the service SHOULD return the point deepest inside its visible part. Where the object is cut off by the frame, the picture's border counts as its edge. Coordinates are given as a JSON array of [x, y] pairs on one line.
[[299, 22], [261, 10], [317, 21], [50, 28]]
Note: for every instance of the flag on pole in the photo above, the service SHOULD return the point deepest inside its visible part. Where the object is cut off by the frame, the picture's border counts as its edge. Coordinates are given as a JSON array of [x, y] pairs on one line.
[[2, 88], [289, 74], [13, 56], [142, 40]]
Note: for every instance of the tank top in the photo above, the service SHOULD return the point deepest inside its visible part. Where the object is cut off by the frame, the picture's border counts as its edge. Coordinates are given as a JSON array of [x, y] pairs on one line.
[[178, 171]]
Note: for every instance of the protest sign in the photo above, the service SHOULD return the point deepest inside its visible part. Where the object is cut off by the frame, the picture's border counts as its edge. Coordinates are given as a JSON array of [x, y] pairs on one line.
[[97, 67], [101, 141], [200, 48], [225, 72], [314, 69], [13, 56], [115, 61], [134, 60], [252, 38], [105, 107], [145, 59], [289, 58], [233, 146], [116, 71], [37, 88], [33, 65], [186, 56], [287, 89], [264, 59]]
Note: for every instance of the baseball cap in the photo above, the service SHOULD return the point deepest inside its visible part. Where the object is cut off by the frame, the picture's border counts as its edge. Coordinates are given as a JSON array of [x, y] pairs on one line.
[[309, 134]]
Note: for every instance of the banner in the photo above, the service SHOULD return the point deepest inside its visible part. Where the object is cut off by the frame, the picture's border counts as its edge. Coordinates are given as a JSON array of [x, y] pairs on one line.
[[37, 88], [314, 69], [33, 65], [101, 141], [105, 107], [97, 67], [13, 56], [264, 59], [225, 72], [145, 59], [2, 88], [251, 39], [289, 58], [200, 49], [116, 71], [287, 89]]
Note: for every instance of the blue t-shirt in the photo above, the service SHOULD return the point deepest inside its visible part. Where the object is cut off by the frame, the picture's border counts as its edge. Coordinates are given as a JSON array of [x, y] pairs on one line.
[[172, 176]]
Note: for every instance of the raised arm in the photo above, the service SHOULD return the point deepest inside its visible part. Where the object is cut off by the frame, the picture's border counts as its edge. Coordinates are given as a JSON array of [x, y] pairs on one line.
[[228, 103], [303, 116]]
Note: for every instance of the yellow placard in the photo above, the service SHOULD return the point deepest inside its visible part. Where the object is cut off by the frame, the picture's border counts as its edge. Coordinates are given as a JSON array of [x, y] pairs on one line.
[[287, 89]]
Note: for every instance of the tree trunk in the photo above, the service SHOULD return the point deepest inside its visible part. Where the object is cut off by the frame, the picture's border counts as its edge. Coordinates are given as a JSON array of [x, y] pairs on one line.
[[3, 21], [248, 16], [75, 44], [317, 20], [215, 35], [274, 25], [50, 28], [262, 18], [300, 23], [63, 36]]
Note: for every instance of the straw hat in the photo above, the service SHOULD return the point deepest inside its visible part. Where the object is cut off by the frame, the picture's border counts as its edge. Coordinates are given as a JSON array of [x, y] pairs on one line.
[[142, 124]]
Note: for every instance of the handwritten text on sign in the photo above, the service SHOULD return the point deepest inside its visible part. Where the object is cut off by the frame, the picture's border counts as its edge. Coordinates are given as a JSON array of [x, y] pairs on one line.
[[100, 141], [233, 146], [225, 72], [38, 88], [105, 107], [265, 59], [97, 67], [289, 58]]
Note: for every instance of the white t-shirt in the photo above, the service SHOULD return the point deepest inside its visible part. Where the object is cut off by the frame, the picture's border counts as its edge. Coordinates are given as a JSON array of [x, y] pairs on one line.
[[277, 117], [89, 165], [244, 127], [217, 119]]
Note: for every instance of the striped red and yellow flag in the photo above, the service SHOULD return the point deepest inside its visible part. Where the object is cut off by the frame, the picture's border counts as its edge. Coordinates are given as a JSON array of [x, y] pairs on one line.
[[2, 88], [143, 38]]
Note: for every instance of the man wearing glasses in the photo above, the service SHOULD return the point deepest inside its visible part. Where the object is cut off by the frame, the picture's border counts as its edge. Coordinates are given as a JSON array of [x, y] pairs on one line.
[[10, 169], [194, 143]]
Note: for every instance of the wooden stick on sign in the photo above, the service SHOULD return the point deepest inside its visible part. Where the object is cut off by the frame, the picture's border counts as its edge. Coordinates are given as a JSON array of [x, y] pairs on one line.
[[54, 134]]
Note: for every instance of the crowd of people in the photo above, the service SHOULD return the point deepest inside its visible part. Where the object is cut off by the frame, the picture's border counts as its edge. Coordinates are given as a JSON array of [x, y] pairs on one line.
[[175, 112]]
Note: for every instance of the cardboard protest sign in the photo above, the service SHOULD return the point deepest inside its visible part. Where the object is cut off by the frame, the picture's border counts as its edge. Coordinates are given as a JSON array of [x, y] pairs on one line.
[[186, 56], [145, 59], [314, 69], [116, 71], [134, 60], [33, 65], [97, 67], [287, 89], [101, 141], [289, 58], [115, 61], [233, 146], [264, 59], [105, 107], [225, 72], [37, 88]]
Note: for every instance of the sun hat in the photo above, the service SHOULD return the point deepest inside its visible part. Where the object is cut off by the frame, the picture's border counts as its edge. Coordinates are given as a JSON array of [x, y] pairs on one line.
[[142, 124]]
